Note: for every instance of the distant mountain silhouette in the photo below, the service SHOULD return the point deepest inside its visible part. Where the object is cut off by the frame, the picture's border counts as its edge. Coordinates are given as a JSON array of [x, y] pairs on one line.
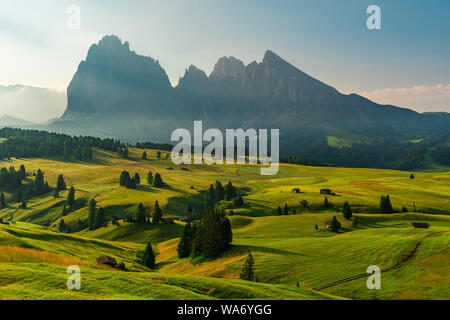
[[116, 92]]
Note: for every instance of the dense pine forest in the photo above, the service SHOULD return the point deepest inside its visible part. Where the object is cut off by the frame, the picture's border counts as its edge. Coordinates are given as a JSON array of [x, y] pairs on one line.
[[22, 143]]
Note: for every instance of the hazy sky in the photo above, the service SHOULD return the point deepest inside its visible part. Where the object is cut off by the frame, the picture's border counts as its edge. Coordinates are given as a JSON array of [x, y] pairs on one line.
[[327, 39]]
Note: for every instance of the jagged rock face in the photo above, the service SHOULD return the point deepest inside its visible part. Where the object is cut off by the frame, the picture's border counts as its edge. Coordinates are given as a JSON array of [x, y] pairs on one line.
[[130, 97], [227, 67], [114, 79]]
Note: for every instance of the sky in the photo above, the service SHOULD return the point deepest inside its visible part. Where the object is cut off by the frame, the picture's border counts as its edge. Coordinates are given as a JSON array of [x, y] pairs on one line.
[[405, 63]]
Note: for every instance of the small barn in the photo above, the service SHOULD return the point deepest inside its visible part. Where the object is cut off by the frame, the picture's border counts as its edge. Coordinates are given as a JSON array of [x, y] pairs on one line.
[[325, 191], [328, 224], [421, 225], [107, 260], [296, 190]]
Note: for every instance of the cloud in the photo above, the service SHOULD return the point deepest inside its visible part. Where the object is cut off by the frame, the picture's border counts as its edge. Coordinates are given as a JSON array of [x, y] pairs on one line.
[[419, 98], [31, 104]]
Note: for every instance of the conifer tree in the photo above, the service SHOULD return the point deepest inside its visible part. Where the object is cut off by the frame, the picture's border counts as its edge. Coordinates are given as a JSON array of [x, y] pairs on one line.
[[286, 209], [144, 155], [100, 218], [326, 204], [124, 178], [22, 171], [185, 244], [157, 181], [248, 269], [140, 214], [279, 211], [23, 205], [55, 193], [71, 198], [61, 184], [62, 226], [230, 191], [137, 179], [335, 225], [385, 205], [39, 184], [125, 153], [3, 204], [211, 196], [149, 256], [158, 154], [157, 213], [150, 178], [347, 211], [219, 192]]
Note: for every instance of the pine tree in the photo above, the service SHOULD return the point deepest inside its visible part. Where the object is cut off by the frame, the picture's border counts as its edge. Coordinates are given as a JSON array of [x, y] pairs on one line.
[[137, 179], [124, 178], [3, 204], [385, 205], [131, 184], [149, 256], [150, 178], [23, 205], [100, 218], [326, 204], [92, 214], [158, 154], [347, 211], [140, 214], [19, 196], [62, 226], [22, 171], [248, 269], [335, 225], [157, 214], [144, 155], [213, 235], [286, 209], [39, 184], [279, 211], [158, 182], [55, 193], [189, 208], [61, 184], [211, 196], [71, 198], [230, 191], [185, 243], [219, 192], [125, 153]]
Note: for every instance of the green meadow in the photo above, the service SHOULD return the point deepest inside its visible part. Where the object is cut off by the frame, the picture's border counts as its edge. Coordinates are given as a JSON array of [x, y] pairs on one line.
[[293, 258]]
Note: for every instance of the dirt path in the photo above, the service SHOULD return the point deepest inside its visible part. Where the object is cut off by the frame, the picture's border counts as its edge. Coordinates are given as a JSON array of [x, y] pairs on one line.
[[404, 260]]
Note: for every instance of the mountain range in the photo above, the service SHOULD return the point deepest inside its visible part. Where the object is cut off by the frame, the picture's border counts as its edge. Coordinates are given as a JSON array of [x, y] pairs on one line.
[[119, 93]]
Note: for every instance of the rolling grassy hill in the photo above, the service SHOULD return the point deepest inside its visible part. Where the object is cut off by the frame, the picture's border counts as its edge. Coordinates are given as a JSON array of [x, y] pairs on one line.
[[287, 249]]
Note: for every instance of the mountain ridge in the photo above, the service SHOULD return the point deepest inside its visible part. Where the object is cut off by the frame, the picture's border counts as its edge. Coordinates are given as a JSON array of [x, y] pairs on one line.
[[118, 93]]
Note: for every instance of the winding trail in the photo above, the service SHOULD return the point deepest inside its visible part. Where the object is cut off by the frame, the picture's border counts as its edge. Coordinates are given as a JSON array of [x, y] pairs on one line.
[[404, 260]]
